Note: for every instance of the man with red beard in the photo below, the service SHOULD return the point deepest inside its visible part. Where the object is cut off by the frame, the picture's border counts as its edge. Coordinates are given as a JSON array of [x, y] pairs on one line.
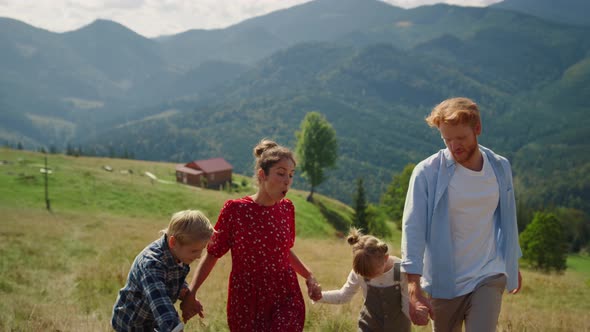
[[460, 237]]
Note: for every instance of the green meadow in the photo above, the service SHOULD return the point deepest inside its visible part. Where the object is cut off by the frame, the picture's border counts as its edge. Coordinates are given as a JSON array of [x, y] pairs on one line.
[[60, 270]]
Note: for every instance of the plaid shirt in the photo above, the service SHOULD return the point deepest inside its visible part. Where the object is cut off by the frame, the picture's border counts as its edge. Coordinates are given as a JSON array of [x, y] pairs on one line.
[[146, 303]]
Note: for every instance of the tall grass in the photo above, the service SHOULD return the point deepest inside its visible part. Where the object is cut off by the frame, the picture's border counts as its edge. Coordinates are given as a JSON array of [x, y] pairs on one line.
[[61, 270]]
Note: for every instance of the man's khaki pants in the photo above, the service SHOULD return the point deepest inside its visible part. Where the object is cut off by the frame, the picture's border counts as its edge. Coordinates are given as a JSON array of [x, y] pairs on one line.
[[479, 309]]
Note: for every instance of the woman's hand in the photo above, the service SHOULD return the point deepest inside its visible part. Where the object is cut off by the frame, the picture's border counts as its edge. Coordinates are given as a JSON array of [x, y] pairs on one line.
[[314, 289]]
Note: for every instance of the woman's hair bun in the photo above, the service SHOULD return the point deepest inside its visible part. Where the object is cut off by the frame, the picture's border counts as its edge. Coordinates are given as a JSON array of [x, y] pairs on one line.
[[264, 145]]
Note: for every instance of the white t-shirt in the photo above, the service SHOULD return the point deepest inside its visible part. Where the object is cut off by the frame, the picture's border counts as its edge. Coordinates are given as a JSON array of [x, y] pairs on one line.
[[354, 281], [473, 199]]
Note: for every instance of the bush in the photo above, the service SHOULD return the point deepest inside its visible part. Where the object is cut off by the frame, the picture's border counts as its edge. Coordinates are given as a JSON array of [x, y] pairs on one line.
[[543, 243]]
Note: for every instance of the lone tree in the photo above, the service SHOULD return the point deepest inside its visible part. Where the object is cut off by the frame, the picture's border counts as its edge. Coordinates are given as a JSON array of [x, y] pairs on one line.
[[359, 201], [394, 198], [316, 149], [543, 243]]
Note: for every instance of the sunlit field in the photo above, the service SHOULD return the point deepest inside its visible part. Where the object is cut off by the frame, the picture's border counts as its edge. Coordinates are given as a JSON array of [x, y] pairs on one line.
[[61, 270]]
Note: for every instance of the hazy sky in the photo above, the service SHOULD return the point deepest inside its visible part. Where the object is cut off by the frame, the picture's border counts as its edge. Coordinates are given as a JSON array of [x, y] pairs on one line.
[[152, 18]]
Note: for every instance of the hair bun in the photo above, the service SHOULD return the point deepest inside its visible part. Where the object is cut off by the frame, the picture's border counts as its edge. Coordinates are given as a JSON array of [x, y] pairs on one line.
[[263, 145], [354, 236]]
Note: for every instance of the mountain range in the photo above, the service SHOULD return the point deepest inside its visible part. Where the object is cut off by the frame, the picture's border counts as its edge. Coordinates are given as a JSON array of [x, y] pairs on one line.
[[374, 70]]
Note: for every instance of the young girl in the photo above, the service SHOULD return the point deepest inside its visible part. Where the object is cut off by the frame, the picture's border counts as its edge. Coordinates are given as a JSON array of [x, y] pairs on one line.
[[383, 285], [264, 294], [156, 279]]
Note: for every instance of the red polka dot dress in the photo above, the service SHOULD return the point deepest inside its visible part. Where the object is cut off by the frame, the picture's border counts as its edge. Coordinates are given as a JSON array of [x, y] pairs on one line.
[[264, 294]]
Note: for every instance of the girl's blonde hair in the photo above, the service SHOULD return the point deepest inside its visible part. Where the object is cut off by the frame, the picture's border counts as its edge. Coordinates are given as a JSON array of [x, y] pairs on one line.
[[189, 226], [268, 153], [368, 253], [454, 111]]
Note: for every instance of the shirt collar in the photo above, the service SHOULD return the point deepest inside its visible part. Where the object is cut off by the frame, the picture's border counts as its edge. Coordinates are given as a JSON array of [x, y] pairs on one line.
[[166, 252], [448, 157]]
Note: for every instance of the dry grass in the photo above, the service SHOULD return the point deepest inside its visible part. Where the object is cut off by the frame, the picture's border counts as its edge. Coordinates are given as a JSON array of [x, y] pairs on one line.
[[61, 272]]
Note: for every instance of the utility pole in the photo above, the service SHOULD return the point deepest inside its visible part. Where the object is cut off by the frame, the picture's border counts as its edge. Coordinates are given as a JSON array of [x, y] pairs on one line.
[[47, 203]]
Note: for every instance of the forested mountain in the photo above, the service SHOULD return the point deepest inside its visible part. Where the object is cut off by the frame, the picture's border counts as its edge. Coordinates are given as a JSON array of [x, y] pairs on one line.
[[372, 69], [256, 38], [574, 12]]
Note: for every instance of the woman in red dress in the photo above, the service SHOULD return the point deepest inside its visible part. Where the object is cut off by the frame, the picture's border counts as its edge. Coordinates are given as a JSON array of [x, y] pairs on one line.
[[264, 294]]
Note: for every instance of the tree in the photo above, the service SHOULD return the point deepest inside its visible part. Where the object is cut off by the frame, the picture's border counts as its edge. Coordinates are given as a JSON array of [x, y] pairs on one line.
[[316, 149], [69, 150], [394, 198], [543, 243], [377, 221], [576, 228], [360, 217]]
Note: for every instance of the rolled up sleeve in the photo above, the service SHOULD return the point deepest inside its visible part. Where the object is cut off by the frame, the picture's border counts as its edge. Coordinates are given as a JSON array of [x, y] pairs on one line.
[[414, 221]]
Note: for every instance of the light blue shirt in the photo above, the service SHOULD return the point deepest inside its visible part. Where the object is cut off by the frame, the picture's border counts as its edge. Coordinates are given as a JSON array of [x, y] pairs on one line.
[[427, 247]]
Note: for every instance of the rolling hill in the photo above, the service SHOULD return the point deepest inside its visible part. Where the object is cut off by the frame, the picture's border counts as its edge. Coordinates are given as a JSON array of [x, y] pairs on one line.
[[83, 185]]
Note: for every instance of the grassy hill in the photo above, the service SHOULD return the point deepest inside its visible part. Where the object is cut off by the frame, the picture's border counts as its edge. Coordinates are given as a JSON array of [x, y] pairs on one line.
[[83, 186], [61, 270]]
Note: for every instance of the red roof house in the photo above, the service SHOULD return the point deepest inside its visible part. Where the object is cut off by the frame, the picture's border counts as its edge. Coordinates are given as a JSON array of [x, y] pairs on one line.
[[209, 173]]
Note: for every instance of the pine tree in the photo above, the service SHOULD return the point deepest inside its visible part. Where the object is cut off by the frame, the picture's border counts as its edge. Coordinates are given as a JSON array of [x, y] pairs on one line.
[[360, 217]]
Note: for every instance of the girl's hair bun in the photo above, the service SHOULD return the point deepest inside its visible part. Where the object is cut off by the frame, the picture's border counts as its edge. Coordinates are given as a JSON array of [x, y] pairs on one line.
[[354, 236]]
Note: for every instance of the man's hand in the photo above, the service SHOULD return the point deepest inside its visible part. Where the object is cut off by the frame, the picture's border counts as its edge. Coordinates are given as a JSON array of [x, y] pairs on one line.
[[190, 307], [420, 307], [514, 291]]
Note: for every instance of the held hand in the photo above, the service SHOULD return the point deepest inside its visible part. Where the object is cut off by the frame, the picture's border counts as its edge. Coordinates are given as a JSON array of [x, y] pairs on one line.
[[314, 289], [514, 291], [420, 307], [419, 314], [190, 307]]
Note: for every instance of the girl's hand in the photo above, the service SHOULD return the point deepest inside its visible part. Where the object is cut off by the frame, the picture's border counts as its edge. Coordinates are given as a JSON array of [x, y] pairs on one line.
[[420, 307], [314, 289]]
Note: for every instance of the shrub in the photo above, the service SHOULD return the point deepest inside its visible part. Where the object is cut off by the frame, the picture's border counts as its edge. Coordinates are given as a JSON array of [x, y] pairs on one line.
[[543, 243]]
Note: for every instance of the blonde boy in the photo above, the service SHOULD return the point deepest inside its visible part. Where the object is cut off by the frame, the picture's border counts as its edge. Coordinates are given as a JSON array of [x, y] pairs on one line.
[[157, 277]]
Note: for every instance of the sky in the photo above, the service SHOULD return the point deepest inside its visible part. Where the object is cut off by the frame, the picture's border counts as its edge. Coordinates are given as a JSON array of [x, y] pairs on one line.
[[152, 18]]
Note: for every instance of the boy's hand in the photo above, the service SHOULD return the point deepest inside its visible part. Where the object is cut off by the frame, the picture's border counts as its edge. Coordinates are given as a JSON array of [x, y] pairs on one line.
[[314, 289], [190, 307]]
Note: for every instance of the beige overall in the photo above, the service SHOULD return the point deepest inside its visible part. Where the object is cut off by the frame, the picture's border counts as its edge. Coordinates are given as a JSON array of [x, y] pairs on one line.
[[382, 310]]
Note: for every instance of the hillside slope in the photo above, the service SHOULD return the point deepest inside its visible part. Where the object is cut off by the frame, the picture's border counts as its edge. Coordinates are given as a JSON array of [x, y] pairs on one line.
[[82, 185]]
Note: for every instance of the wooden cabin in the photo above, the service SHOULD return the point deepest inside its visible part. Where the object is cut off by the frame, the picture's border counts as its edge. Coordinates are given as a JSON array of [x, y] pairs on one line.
[[208, 173]]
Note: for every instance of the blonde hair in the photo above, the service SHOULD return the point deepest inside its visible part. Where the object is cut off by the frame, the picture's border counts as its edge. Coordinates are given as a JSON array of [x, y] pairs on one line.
[[267, 153], [189, 226], [454, 111], [368, 252]]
